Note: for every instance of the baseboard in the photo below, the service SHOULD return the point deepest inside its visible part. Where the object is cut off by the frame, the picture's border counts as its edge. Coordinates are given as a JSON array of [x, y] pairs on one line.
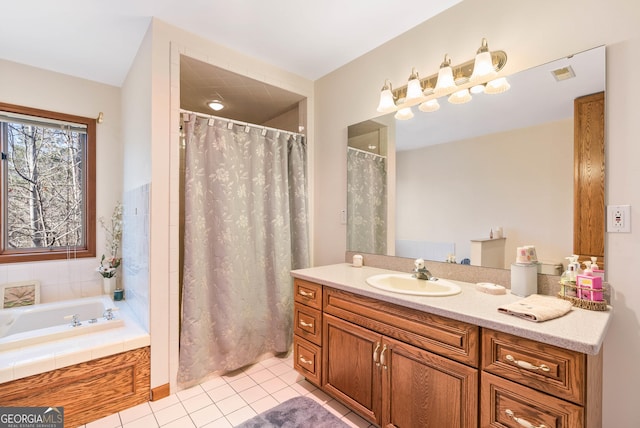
[[159, 392]]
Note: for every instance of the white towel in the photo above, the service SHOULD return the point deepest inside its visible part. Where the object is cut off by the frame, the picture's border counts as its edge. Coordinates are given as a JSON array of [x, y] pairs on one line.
[[537, 308]]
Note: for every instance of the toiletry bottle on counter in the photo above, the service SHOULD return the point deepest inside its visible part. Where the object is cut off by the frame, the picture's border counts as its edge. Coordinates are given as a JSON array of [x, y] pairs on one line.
[[568, 281]]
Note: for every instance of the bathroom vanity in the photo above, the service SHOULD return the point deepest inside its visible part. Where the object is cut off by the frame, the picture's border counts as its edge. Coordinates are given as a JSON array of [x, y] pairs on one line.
[[413, 361]]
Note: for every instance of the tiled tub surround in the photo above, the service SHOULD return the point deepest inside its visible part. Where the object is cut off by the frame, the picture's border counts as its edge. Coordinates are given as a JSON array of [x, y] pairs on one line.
[[473, 307], [58, 353]]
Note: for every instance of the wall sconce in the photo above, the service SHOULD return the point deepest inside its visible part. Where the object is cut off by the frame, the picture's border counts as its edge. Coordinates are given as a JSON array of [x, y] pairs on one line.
[[472, 77]]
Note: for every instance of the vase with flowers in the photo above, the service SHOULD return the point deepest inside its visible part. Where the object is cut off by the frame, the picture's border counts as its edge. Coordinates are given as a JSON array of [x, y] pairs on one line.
[[109, 264]]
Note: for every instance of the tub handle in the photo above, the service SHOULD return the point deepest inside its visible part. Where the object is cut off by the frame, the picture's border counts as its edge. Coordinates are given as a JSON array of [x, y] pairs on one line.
[[76, 320], [108, 313]]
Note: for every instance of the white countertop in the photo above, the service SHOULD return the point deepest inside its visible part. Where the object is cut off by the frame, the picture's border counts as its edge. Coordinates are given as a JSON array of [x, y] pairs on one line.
[[580, 330]]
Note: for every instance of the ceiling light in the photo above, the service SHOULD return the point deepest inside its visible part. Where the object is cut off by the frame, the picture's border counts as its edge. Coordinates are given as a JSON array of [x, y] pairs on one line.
[[483, 64], [445, 78], [387, 100], [216, 105]]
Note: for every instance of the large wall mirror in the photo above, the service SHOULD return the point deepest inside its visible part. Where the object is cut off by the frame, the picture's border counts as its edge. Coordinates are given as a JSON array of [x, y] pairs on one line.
[[441, 182]]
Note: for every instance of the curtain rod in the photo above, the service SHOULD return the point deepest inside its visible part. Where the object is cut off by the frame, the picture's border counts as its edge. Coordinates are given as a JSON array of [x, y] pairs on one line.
[[366, 152], [237, 122]]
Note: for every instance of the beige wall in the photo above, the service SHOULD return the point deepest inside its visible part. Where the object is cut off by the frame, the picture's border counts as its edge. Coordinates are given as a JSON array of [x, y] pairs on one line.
[[34, 87], [520, 180], [531, 32]]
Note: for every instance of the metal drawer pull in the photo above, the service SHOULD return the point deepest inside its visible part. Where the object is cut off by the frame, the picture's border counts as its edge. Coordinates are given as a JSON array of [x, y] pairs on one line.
[[306, 294], [384, 348], [306, 324], [526, 365], [305, 361], [375, 354], [523, 422]]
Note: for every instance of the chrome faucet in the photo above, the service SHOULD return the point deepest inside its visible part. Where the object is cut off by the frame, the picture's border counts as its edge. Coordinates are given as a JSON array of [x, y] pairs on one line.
[[108, 314], [75, 320], [421, 272]]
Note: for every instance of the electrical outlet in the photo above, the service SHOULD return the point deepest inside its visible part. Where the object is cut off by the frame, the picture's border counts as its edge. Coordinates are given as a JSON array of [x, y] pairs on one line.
[[619, 218]]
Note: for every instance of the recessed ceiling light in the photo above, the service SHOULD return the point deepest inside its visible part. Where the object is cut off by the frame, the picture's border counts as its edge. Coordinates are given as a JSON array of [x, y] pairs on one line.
[[216, 105]]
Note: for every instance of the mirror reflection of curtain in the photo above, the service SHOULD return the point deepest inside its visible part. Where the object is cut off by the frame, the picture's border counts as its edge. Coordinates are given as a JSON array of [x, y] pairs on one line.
[[246, 227], [366, 202]]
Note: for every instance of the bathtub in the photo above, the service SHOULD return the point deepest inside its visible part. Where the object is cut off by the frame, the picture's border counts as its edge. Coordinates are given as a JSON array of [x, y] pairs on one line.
[[30, 325]]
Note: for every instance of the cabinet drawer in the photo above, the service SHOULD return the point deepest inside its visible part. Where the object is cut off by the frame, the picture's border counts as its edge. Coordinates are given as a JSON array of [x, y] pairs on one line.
[[307, 293], [308, 323], [508, 404], [453, 339], [306, 359], [547, 368]]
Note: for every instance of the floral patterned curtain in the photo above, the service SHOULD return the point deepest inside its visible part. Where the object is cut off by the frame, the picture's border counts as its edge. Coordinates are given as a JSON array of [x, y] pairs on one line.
[[246, 227], [366, 202]]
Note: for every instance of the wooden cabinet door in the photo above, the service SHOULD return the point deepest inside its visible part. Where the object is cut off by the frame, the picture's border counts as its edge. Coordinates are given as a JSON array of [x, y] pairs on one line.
[[421, 389], [589, 177], [351, 369]]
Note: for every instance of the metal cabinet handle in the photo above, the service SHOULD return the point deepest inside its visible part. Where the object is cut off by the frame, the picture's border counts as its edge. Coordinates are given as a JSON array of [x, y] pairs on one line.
[[305, 361], [306, 324], [522, 422], [306, 294], [382, 359], [526, 365], [375, 354]]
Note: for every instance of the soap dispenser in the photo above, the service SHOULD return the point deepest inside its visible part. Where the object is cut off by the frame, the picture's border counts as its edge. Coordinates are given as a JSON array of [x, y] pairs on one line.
[[594, 264]]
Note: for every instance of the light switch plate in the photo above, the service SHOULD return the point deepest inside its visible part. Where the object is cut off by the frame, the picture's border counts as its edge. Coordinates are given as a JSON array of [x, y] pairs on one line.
[[618, 218]]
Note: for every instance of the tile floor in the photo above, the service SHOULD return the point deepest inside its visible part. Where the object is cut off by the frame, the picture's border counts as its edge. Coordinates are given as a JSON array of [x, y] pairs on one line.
[[229, 400]]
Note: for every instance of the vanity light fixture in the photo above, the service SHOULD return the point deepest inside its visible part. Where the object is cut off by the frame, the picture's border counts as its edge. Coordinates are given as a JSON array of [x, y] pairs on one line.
[[414, 87], [483, 65], [387, 100], [445, 84], [404, 114], [475, 76]]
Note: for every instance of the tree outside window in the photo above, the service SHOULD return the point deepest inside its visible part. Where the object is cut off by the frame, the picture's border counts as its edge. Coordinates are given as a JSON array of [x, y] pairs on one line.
[[48, 185]]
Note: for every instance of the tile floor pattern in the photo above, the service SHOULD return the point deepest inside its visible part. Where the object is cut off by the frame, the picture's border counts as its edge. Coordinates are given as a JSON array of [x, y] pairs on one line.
[[229, 400]]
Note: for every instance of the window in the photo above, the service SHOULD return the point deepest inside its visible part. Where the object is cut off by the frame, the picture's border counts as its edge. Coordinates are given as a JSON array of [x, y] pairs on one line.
[[48, 185]]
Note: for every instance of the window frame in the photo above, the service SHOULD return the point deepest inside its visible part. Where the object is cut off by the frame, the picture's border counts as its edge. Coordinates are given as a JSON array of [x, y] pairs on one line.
[[89, 220]]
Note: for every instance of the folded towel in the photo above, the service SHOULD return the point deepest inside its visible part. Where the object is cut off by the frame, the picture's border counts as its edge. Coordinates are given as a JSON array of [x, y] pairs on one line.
[[537, 308]]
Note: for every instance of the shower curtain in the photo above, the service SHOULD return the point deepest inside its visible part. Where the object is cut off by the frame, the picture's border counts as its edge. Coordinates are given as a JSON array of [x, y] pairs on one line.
[[245, 229], [366, 202]]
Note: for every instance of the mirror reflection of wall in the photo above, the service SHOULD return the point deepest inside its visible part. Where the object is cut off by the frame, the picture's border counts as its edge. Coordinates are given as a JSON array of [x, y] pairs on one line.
[[498, 161]]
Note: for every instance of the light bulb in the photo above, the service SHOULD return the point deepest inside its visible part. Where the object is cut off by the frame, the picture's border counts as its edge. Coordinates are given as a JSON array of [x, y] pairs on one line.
[[497, 86], [414, 88], [460, 97], [387, 103]]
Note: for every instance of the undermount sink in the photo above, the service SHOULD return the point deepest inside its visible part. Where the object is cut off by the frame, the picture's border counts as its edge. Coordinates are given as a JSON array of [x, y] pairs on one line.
[[408, 284]]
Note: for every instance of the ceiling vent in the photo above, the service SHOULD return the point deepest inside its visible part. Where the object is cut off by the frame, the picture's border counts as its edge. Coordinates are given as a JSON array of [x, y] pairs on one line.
[[563, 73]]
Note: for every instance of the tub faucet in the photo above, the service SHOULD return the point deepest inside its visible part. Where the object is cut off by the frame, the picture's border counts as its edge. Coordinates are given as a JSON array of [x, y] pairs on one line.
[[108, 314], [421, 272], [75, 320]]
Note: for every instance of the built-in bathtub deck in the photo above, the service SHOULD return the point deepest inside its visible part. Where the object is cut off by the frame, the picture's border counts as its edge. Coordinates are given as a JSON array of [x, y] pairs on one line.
[[39, 358]]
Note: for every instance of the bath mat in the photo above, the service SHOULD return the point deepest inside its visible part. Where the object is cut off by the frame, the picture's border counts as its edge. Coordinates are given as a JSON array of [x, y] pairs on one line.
[[298, 412]]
